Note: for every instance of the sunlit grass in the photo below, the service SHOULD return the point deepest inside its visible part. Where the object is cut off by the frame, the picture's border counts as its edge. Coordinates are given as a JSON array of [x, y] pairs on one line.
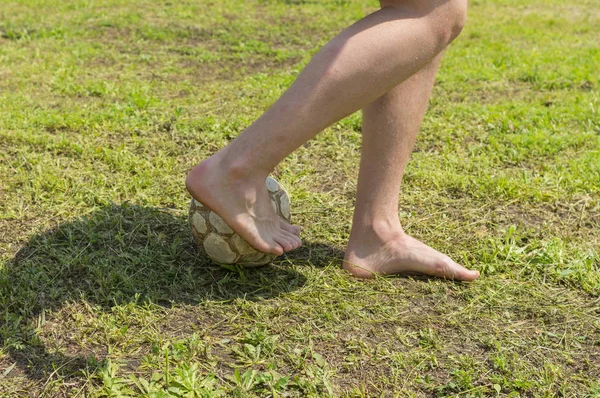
[[106, 105]]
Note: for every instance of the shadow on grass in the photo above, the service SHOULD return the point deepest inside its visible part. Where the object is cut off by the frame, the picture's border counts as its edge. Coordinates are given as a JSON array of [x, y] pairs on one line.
[[315, 254], [119, 255]]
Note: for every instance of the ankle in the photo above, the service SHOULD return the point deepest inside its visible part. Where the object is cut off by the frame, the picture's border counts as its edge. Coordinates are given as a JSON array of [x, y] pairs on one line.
[[240, 168], [380, 228]]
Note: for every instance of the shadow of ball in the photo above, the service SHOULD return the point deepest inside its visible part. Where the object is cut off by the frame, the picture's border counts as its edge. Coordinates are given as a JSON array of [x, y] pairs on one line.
[[221, 244]]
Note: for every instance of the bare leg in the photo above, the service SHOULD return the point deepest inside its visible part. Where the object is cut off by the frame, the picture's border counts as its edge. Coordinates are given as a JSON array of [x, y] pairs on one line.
[[378, 245], [355, 68]]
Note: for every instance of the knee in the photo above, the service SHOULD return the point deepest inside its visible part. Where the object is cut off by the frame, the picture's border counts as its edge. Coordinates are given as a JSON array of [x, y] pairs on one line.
[[446, 17], [449, 20], [457, 17]]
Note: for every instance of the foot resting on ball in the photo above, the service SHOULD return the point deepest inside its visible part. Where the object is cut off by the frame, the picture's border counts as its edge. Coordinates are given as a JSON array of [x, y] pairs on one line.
[[385, 249], [242, 201]]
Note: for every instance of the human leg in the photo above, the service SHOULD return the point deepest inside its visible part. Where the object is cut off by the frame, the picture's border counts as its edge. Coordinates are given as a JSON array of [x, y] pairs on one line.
[[355, 68], [378, 244]]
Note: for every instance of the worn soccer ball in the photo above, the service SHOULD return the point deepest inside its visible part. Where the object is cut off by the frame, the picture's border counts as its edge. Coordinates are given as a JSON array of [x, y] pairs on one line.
[[224, 246]]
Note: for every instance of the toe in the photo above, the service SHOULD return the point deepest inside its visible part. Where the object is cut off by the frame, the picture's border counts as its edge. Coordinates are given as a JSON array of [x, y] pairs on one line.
[[285, 242], [460, 273], [294, 229], [296, 242], [292, 241], [277, 249], [466, 274], [266, 246]]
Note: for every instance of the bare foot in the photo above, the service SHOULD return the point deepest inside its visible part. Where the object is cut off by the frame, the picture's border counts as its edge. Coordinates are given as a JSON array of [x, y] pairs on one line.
[[242, 201], [388, 250]]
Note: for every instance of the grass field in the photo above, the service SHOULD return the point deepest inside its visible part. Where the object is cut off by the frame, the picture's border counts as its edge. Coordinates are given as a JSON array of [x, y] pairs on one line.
[[105, 105]]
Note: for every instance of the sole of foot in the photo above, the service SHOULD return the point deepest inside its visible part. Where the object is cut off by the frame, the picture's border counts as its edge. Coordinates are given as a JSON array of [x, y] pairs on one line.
[[242, 201]]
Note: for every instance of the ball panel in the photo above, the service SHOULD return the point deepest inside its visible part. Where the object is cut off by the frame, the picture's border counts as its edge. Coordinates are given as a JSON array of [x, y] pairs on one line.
[[256, 259], [218, 249], [199, 223], [199, 239], [272, 185], [241, 246], [197, 204], [285, 206], [218, 223], [274, 205]]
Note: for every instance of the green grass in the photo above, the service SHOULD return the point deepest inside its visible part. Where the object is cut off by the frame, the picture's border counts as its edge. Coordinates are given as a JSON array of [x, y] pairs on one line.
[[106, 105]]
